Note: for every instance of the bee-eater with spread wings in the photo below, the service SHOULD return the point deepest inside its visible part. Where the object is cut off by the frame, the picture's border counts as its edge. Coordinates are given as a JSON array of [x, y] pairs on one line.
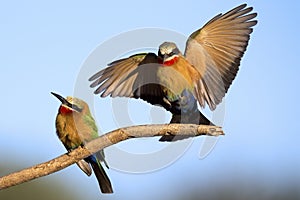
[[178, 81], [75, 126]]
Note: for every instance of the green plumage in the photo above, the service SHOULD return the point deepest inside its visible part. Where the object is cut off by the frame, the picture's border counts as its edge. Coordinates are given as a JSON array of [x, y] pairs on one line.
[[75, 126]]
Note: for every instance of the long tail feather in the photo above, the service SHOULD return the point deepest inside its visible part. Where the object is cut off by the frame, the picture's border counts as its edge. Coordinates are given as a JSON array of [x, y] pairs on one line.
[[103, 179]]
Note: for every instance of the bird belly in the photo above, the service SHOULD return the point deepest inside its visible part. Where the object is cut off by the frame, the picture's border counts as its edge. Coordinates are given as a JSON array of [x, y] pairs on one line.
[[172, 81], [67, 133], [178, 82]]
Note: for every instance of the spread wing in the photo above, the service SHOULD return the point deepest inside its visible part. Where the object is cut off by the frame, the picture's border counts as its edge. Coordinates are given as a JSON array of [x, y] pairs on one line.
[[216, 50], [135, 76]]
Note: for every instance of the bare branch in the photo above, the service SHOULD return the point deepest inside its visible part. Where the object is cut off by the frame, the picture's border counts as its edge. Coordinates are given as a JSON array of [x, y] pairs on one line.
[[103, 141]]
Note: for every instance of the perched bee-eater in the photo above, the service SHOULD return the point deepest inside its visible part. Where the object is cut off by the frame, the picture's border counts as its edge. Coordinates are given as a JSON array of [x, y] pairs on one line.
[[75, 126], [178, 81]]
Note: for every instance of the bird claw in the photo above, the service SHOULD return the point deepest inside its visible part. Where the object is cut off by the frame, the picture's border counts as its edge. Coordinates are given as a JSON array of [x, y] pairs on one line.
[[167, 101]]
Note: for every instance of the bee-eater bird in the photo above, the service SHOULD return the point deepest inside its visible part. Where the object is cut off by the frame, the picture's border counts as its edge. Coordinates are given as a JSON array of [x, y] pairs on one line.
[[178, 81], [75, 126]]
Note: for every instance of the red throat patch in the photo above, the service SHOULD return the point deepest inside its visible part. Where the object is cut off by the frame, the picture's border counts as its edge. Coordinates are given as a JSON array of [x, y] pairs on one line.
[[169, 62], [65, 110]]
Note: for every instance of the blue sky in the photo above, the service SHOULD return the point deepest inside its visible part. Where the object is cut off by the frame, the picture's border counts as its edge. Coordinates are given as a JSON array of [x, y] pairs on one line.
[[44, 46]]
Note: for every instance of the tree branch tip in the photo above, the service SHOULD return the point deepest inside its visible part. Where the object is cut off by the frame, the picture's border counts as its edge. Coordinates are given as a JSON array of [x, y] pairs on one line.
[[210, 130]]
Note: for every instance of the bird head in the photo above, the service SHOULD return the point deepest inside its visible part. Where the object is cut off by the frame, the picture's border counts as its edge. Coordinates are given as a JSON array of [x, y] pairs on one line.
[[70, 104], [168, 53]]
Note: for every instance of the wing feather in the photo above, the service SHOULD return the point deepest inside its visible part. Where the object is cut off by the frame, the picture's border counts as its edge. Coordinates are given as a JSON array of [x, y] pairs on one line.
[[215, 51], [135, 76]]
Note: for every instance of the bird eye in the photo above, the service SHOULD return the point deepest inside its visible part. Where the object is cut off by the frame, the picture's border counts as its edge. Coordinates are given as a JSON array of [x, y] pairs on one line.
[[171, 54]]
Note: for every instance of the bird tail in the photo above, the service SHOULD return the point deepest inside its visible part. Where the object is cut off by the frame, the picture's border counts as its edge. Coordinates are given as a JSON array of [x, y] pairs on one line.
[[103, 179], [195, 117], [85, 167]]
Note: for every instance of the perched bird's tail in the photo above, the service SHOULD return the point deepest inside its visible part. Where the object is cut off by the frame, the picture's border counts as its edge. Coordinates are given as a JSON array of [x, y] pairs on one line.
[[103, 180], [195, 117]]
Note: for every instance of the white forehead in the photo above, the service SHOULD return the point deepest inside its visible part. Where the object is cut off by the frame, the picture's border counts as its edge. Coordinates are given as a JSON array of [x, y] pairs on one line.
[[73, 100], [167, 47], [70, 99]]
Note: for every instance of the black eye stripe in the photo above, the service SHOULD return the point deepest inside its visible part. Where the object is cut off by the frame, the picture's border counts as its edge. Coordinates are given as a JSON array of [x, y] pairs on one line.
[[76, 108], [175, 51], [171, 54], [159, 54]]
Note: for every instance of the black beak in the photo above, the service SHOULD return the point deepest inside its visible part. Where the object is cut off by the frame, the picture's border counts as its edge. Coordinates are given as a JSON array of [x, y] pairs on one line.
[[65, 102], [62, 99]]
